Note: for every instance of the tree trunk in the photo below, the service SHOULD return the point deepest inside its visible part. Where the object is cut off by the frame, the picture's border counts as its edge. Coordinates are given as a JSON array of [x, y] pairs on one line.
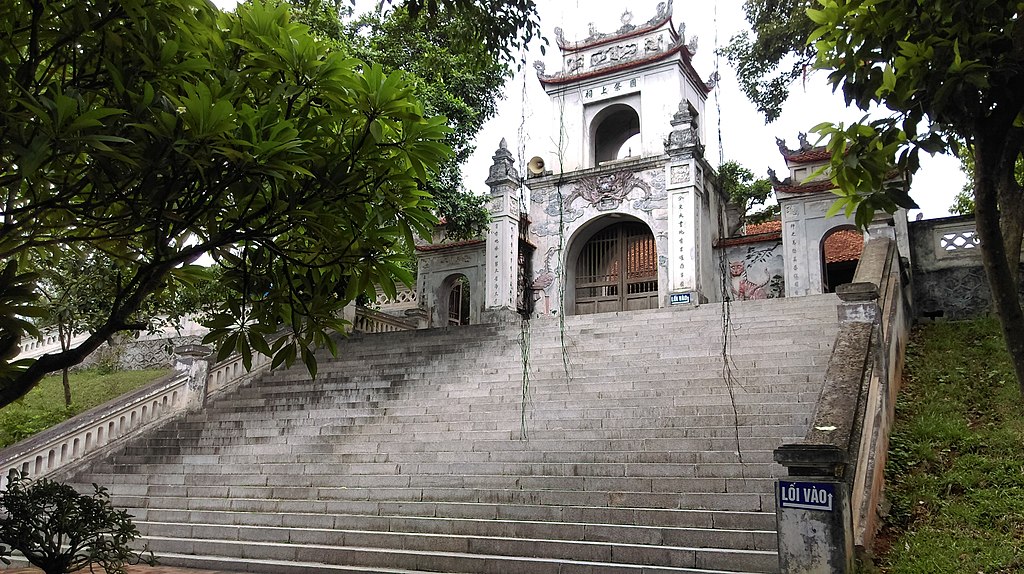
[[65, 343], [993, 180]]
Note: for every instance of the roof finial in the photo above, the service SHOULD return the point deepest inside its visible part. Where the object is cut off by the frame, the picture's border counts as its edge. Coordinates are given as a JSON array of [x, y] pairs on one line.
[[503, 144]]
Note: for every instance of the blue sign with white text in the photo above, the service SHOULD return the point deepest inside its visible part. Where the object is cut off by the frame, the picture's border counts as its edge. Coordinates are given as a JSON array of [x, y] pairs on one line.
[[807, 495], [679, 299]]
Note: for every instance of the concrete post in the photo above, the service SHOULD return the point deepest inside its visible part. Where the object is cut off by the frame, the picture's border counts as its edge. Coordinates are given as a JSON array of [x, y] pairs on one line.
[[813, 515], [194, 360]]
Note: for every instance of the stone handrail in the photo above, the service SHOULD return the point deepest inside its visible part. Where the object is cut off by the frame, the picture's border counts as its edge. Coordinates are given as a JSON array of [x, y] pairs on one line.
[[102, 428], [99, 430], [844, 450], [370, 321]]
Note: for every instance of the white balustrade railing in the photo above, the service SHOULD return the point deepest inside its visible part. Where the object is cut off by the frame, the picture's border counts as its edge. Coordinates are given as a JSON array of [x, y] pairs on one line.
[[97, 429], [405, 298], [49, 342], [370, 321]]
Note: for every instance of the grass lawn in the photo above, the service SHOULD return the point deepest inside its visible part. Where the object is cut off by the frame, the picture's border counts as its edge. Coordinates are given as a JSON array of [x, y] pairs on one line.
[[43, 406], [955, 475]]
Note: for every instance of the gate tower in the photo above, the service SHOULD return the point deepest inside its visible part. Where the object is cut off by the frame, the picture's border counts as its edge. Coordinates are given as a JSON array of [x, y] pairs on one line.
[[625, 213]]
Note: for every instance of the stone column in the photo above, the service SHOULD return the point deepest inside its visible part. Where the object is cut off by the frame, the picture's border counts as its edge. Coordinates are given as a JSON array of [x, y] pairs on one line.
[[503, 235], [684, 180], [194, 361]]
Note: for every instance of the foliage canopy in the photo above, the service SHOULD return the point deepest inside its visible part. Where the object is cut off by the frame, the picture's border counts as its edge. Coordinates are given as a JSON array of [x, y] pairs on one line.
[[747, 192], [159, 131], [950, 74]]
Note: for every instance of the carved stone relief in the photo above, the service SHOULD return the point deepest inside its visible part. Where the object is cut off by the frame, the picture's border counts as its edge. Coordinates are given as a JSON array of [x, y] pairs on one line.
[[614, 54], [679, 174], [606, 192]]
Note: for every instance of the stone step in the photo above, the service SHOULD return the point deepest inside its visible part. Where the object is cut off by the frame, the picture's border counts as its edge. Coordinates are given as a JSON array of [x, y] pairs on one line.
[[286, 544], [676, 406], [713, 463], [385, 433], [376, 531], [467, 517], [724, 408], [520, 566], [743, 501], [746, 424], [404, 454], [326, 487], [263, 471]]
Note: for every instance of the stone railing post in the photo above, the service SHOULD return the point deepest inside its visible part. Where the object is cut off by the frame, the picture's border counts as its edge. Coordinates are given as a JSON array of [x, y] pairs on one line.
[[814, 510], [194, 361]]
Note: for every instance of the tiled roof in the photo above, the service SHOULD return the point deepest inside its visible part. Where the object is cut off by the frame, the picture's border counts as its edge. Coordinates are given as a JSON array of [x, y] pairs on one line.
[[766, 227], [844, 245], [808, 156], [755, 233], [823, 185]]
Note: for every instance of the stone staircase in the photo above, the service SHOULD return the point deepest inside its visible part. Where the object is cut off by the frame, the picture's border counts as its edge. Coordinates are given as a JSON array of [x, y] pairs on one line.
[[407, 453]]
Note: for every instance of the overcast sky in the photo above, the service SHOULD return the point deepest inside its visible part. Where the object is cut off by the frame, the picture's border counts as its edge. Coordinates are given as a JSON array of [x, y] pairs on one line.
[[745, 137]]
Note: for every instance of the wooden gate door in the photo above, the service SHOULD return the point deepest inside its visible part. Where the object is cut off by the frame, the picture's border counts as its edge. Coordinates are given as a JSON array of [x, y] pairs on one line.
[[601, 284]]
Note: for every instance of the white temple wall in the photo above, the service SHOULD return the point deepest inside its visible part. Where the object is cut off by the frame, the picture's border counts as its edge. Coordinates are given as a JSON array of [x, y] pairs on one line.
[[804, 226], [628, 195]]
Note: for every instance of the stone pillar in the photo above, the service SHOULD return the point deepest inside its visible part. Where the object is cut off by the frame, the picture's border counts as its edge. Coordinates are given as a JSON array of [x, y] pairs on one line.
[[503, 234], [194, 361], [685, 183]]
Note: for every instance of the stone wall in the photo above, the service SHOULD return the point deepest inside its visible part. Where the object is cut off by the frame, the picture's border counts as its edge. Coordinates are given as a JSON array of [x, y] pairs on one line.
[[948, 278]]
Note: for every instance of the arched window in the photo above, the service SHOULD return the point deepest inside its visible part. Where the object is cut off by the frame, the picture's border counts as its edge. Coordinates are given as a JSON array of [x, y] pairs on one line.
[[615, 133], [840, 252]]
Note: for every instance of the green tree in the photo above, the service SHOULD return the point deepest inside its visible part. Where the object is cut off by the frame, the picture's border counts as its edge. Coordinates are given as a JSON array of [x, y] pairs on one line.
[[74, 289], [777, 55], [947, 72], [158, 131], [455, 79], [963, 203], [949, 75], [747, 192]]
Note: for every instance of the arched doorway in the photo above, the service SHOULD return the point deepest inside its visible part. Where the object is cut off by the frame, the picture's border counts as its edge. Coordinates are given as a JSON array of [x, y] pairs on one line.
[[840, 253], [458, 300], [617, 270]]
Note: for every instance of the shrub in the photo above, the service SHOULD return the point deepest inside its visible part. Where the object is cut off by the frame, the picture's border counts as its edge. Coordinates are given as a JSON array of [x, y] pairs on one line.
[[61, 531]]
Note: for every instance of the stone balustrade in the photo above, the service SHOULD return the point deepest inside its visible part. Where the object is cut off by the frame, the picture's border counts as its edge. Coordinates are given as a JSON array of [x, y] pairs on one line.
[[827, 508], [370, 321], [100, 429]]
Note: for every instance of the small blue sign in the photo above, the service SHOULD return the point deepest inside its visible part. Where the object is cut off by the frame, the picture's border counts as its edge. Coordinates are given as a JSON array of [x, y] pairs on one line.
[[679, 299], [807, 495]]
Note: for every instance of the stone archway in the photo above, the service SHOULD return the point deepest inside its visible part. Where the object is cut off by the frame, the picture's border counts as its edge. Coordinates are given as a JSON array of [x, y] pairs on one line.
[[617, 270], [456, 300], [840, 252]]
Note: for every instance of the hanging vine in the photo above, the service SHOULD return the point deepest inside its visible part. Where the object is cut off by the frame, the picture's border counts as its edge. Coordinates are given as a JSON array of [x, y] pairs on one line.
[[723, 272], [524, 321]]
